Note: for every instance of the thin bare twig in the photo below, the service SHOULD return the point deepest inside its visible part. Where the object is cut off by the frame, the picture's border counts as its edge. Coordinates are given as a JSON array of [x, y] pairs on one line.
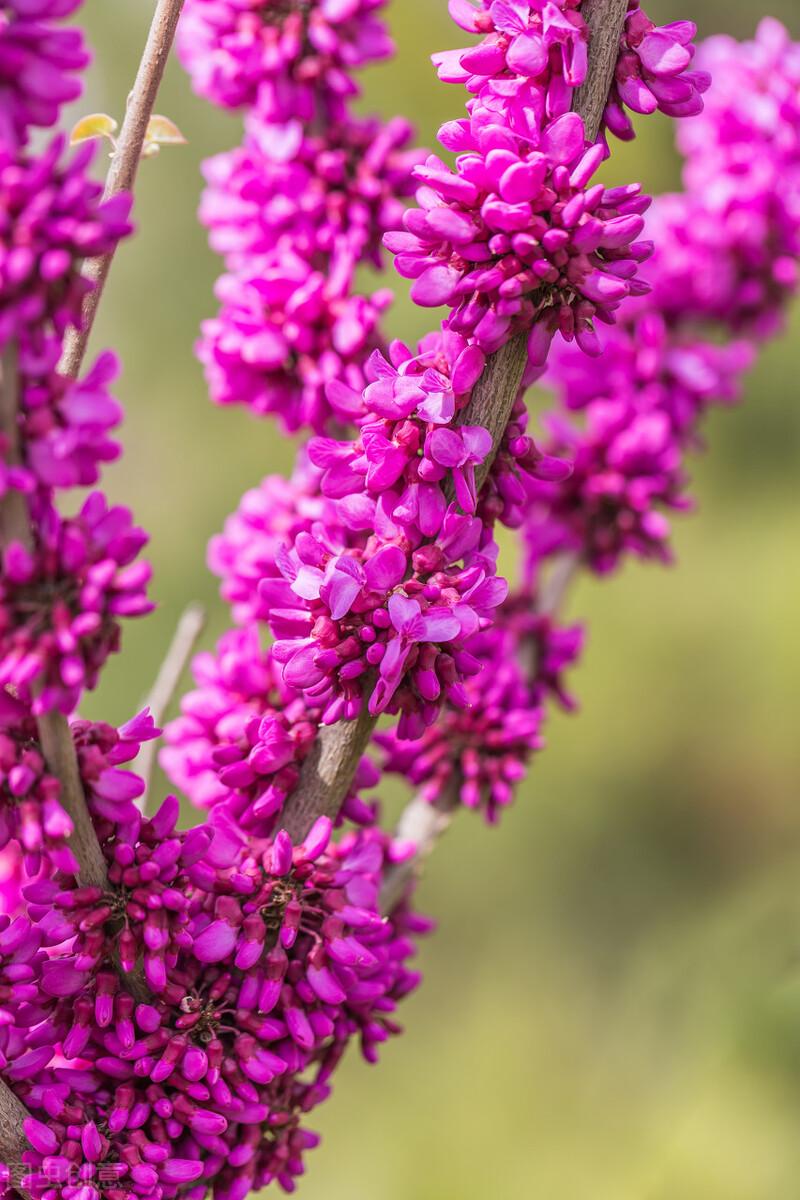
[[58, 748], [124, 165], [190, 626], [328, 771]]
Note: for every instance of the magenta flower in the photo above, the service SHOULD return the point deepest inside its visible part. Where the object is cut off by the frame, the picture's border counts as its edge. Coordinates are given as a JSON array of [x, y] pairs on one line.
[[291, 59], [30, 809], [51, 218], [524, 42], [338, 616], [653, 72], [287, 937], [627, 468], [268, 517], [645, 362], [398, 464], [38, 65], [481, 751], [66, 424], [287, 331], [60, 606], [513, 240], [346, 184]]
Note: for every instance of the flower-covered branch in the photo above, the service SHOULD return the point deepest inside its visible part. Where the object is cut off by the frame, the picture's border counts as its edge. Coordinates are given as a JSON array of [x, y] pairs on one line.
[[175, 1002]]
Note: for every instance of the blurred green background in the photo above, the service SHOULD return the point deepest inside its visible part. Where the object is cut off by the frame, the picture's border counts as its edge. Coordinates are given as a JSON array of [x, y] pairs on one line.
[[612, 1003]]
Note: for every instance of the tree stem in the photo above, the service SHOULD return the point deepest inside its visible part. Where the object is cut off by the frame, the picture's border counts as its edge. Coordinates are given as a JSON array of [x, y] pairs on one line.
[[124, 165], [328, 771]]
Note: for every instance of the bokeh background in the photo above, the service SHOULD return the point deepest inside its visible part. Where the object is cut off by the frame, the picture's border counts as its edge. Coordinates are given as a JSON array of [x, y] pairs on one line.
[[612, 1002]]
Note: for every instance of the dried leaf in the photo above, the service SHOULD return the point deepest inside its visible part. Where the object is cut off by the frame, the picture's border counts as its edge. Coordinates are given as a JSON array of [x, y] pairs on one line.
[[93, 126]]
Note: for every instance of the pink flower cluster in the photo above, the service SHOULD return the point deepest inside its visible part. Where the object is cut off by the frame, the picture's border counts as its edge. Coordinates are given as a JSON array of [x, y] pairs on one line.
[[517, 238], [476, 755], [242, 736], [60, 605], [514, 240], [653, 72], [390, 569], [264, 960], [725, 267], [299, 206], [290, 59], [38, 64]]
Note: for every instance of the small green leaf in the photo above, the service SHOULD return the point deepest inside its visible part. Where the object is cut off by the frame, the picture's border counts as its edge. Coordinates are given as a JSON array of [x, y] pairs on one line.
[[94, 126]]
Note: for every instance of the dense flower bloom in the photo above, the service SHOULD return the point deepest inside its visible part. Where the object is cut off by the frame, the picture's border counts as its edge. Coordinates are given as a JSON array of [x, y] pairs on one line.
[[406, 448], [653, 72], [321, 189], [51, 218], [740, 222], [286, 331], [726, 257], [476, 755], [38, 61], [627, 466], [65, 424], [60, 605], [276, 956], [341, 614], [656, 367], [290, 58], [531, 57], [515, 239], [752, 114], [23, 1005], [102, 750], [30, 811], [241, 738], [268, 517]]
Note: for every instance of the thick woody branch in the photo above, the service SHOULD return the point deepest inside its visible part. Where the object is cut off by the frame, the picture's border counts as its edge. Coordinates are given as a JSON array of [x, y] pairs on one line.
[[58, 749], [124, 165], [328, 771], [605, 19], [13, 1142], [183, 643]]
